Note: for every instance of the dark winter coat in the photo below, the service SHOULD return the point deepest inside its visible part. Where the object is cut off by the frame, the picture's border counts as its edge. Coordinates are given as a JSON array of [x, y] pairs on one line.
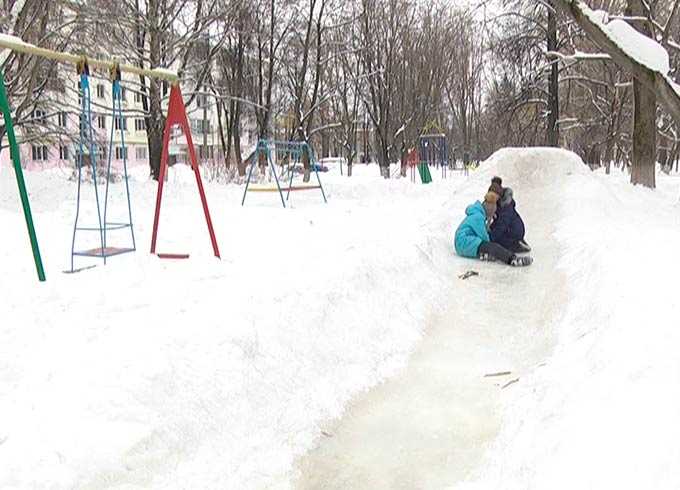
[[508, 228]]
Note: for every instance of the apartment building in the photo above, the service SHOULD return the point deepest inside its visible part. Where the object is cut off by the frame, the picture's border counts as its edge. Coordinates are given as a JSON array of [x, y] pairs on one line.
[[51, 139]]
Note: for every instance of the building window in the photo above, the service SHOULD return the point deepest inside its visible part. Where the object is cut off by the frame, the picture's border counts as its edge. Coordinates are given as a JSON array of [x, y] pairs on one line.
[[140, 124], [139, 97], [200, 126], [201, 100], [63, 118], [205, 152], [39, 152], [165, 88], [101, 122], [63, 152], [123, 93], [118, 122], [39, 116], [100, 91], [140, 153], [121, 153]]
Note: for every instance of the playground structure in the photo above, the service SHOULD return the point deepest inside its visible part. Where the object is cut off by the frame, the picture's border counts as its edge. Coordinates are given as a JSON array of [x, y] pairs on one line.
[[414, 162], [434, 151], [87, 136], [176, 116], [16, 162], [288, 155]]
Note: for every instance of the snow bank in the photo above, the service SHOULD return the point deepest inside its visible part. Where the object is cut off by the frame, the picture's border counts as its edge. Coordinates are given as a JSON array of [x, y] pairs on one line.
[[204, 373], [602, 412]]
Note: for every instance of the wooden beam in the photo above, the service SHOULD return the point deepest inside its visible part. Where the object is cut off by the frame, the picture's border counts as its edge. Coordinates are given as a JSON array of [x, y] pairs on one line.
[[667, 94], [16, 44]]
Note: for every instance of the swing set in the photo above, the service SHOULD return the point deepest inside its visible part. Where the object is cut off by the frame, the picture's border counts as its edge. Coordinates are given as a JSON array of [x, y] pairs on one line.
[[288, 155], [176, 115], [87, 139]]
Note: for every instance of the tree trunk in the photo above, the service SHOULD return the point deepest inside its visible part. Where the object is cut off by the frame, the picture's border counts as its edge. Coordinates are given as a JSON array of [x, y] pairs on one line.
[[644, 123], [553, 85], [237, 141], [155, 121], [220, 130], [644, 136]]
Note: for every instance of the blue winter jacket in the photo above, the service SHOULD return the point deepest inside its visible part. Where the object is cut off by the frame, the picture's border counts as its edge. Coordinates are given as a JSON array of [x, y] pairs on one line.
[[472, 231], [508, 228]]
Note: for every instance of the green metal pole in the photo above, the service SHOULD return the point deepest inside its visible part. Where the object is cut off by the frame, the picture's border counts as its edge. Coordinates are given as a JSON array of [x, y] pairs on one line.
[[16, 160]]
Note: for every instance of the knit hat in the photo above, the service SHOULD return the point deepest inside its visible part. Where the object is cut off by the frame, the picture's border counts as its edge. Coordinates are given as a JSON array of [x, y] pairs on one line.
[[496, 188], [507, 197], [497, 180]]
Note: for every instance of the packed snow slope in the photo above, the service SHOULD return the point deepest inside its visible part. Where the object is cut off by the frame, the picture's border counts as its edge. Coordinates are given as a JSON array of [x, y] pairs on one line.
[[430, 424], [602, 411]]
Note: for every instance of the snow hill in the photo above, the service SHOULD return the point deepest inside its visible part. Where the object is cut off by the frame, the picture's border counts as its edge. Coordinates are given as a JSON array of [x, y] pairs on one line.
[[221, 374], [600, 412]]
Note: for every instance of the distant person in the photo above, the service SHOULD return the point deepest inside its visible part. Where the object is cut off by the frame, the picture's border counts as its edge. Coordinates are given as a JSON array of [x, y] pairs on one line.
[[507, 228], [472, 238]]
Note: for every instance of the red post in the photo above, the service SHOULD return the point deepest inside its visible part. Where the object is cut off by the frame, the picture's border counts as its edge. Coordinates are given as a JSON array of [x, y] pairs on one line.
[[177, 116]]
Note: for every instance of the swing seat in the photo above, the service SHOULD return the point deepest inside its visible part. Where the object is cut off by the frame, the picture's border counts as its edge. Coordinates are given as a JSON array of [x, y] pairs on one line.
[[106, 252], [172, 256], [283, 189]]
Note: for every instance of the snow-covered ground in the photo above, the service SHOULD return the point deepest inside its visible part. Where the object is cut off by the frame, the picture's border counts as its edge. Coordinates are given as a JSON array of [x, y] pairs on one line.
[[429, 424], [602, 411], [221, 374], [206, 373]]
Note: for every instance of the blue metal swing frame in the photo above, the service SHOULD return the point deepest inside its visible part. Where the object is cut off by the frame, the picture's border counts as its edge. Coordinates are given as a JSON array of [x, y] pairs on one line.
[[87, 134], [294, 151]]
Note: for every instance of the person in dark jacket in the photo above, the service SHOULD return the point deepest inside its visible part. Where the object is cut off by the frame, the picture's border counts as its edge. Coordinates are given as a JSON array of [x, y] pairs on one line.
[[508, 228], [472, 238]]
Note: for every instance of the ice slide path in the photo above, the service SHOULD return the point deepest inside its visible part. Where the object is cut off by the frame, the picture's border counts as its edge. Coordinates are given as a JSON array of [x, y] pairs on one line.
[[428, 427]]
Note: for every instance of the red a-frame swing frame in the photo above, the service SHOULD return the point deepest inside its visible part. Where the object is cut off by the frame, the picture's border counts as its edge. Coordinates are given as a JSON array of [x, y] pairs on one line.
[[177, 116]]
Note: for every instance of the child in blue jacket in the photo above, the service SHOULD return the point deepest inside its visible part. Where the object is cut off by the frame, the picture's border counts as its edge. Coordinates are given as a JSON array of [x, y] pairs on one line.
[[472, 237]]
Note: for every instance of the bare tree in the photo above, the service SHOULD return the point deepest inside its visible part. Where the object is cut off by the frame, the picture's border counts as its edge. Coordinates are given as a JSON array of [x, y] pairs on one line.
[[234, 82], [655, 83], [178, 34], [384, 24], [344, 71], [464, 80], [31, 81]]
